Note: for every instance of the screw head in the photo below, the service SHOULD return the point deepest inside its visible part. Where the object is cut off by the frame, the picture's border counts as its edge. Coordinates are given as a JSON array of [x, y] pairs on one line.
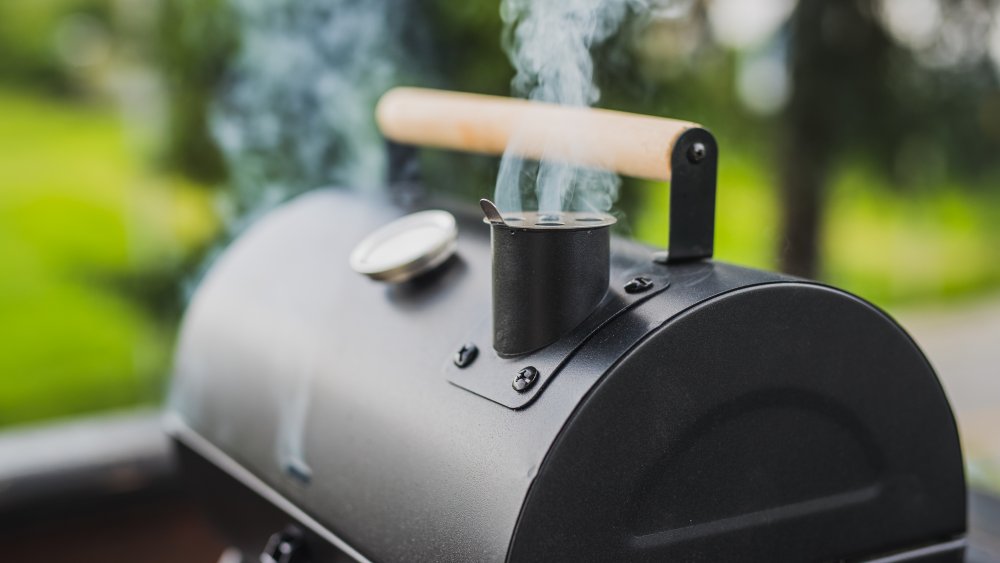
[[284, 547], [638, 285], [525, 379], [697, 152], [466, 355]]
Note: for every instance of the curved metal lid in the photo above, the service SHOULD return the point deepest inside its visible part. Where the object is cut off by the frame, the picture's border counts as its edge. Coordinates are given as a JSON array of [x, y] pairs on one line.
[[407, 247]]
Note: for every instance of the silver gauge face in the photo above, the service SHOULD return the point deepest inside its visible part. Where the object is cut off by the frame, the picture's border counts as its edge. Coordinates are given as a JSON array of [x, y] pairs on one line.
[[407, 247]]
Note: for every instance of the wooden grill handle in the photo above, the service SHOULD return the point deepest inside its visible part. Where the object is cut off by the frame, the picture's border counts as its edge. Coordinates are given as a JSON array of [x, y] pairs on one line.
[[627, 143]]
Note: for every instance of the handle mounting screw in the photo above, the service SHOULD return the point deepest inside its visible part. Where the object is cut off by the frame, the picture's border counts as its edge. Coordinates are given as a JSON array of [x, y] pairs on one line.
[[638, 285], [697, 153], [525, 379], [466, 355]]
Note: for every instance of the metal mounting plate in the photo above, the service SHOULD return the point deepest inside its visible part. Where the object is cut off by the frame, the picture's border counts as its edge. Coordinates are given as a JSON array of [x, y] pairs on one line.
[[486, 375]]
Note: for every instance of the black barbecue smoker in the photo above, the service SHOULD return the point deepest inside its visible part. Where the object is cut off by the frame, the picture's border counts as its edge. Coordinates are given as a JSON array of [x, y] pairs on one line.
[[363, 379]]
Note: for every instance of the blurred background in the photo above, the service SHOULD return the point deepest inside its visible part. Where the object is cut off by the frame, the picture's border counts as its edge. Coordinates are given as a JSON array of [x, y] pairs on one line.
[[860, 146]]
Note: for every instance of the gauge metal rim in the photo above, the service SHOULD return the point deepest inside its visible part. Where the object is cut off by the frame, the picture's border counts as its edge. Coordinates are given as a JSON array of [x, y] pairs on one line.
[[414, 263]]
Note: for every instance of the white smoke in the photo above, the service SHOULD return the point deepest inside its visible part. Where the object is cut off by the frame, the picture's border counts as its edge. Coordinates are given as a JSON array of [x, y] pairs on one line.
[[550, 44], [297, 112]]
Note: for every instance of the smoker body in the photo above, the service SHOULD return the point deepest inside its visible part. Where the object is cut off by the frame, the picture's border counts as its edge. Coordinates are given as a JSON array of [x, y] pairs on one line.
[[724, 414]]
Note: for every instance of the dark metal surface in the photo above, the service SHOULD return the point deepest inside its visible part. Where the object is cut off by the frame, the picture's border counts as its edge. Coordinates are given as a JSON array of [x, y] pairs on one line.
[[525, 379], [724, 412], [280, 360], [953, 551], [639, 284], [287, 357], [286, 546], [693, 166], [250, 514], [545, 283], [466, 355], [783, 422], [479, 378]]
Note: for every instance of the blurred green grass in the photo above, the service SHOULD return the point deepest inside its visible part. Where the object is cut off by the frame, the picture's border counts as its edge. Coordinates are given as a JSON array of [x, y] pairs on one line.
[[79, 217]]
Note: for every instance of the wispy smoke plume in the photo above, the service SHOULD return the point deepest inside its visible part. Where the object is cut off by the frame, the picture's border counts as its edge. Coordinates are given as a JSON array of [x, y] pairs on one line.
[[297, 112], [550, 44]]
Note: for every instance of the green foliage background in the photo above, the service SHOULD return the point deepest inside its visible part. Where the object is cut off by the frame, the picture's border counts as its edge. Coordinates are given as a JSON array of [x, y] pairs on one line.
[[100, 226]]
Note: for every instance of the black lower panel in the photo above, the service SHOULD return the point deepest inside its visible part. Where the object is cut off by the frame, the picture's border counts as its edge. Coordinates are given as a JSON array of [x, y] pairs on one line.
[[246, 519]]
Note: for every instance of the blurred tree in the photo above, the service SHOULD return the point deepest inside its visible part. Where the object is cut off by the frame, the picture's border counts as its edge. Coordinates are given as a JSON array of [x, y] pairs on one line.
[[44, 45], [838, 61], [855, 89], [466, 45], [195, 42]]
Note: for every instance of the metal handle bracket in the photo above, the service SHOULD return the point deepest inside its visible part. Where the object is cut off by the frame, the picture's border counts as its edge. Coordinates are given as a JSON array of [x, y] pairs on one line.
[[694, 164]]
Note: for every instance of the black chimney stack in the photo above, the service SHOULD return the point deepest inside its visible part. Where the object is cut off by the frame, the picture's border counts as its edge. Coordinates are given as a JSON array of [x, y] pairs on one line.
[[550, 271]]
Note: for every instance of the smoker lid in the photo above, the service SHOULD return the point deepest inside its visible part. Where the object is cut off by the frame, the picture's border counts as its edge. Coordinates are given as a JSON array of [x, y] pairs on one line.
[[407, 247]]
